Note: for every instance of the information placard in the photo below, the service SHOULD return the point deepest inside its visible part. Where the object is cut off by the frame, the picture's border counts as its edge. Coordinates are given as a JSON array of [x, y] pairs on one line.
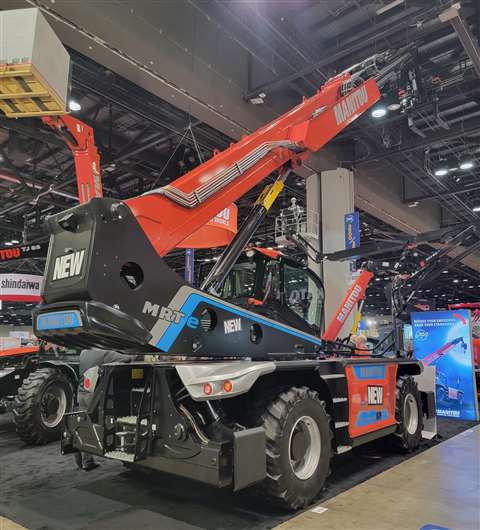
[[444, 339]]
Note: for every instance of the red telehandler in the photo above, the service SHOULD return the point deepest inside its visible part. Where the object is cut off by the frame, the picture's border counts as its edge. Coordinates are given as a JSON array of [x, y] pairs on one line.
[[243, 392]]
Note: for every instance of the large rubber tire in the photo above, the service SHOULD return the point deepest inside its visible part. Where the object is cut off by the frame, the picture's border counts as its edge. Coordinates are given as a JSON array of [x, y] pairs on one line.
[[408, 400], [39, 405], [283, 485]]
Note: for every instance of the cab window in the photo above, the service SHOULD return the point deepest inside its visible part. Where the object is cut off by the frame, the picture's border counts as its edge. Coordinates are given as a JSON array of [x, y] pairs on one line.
[[304, 294]]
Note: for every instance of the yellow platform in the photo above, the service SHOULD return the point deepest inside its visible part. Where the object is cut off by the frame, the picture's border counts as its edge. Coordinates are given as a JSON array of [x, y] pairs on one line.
[[24, 93]]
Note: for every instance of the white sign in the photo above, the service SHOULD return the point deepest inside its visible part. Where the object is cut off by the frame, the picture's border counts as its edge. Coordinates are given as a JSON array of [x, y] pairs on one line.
[[19, 334], [8, 343], [20, 287]]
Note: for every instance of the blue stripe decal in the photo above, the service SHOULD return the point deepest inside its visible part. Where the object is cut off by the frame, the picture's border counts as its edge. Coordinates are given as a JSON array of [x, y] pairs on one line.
[[367, 417], [371, 371], [173, 330]]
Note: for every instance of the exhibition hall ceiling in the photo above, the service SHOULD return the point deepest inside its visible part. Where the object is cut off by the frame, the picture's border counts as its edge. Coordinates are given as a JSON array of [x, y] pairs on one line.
[[431, 144]]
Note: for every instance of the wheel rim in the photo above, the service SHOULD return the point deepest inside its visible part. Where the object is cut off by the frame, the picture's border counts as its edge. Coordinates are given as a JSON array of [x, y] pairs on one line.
[[410, 414], [53, 406], [304, 447]]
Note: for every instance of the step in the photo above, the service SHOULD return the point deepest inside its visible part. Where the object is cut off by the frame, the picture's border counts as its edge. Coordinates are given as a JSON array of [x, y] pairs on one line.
[[341, 424], [120, 455], [127, 420], [340, 400], [343, 449]]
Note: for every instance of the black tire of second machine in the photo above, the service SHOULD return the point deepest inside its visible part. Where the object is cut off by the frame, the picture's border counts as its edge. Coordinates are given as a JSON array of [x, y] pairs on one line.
[[46, 388], [408, 434], [296, 413]]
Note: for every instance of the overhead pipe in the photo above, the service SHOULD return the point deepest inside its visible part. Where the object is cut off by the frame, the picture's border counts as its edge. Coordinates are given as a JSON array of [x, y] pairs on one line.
[[36, 186]]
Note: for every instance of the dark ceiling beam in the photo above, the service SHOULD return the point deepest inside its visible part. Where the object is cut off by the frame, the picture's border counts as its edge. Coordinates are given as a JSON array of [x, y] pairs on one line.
[[239, 36], [152, 141], [449, 193], [32, 128], [11, 226], [468, 41], [332, 56], [469, 127]]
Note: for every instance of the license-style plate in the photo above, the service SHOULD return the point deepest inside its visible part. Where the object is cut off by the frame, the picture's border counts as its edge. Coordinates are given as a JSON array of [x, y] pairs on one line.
[[59, 320]]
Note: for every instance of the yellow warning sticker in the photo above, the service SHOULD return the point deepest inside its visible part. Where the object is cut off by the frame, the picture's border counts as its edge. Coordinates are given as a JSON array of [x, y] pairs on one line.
[[137, 373]]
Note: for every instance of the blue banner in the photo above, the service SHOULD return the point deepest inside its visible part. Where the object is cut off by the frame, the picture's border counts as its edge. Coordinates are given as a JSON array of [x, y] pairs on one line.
[[444, 339], [352, 230], [190, 265]]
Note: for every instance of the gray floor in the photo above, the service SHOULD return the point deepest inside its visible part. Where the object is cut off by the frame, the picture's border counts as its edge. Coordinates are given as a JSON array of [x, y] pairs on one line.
[[40, 489], [439, 487]]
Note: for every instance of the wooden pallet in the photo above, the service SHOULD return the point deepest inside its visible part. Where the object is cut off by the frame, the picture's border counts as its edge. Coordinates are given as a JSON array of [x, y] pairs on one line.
[[25, 93]]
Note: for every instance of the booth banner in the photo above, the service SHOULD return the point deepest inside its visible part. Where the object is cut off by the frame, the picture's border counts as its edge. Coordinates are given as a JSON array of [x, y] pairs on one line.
[[38, 250], [444, 339], [352, 230], [20, 287]]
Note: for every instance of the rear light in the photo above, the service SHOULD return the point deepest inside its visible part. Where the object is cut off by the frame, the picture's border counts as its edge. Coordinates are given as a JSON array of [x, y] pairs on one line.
[[207, 389], [227, 386]]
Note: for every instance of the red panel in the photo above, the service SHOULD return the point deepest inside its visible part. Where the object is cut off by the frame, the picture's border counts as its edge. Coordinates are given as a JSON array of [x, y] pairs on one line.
[[20, 298], [11, 352], [364, 417], [218, 232]]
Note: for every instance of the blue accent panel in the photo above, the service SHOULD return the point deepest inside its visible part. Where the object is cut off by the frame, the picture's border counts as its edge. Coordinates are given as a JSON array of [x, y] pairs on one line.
[[59, 320], [434, 527], [371, 371], [367, 417], [173, 330]]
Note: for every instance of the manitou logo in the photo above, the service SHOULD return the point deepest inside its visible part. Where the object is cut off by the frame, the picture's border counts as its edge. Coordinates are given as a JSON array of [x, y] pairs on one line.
[[232, 326], [349, 304], [375, 395], [349, 105], [69, 265], [164, 313]]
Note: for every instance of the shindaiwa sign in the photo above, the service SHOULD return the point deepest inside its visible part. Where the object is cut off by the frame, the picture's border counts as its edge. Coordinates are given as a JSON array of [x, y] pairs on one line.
[[20, 287]]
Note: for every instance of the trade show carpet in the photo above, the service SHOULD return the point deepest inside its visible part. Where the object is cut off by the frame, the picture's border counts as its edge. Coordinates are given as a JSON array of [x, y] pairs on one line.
[[41, 489]]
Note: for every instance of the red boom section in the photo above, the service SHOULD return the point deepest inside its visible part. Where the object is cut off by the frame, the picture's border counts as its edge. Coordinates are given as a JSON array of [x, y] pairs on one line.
[[354, 295], [79, 138], [172, 213]]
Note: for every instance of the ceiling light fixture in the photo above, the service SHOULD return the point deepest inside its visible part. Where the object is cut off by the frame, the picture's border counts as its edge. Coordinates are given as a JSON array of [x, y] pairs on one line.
[[476, 209], [466, 164], [259, 99], [395, 105], [441, 171], [379, 112], [74, 106]]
